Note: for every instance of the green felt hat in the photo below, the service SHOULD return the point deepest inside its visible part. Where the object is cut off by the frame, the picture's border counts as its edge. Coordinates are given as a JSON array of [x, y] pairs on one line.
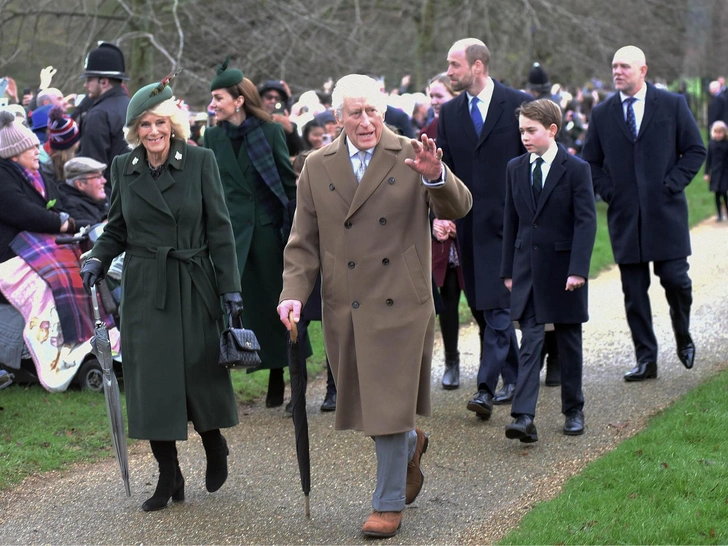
[[148, 97], [225, 77]]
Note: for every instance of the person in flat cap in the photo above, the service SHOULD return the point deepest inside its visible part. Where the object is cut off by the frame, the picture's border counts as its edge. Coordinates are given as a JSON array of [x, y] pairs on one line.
[[259, 181], [83, 192], [275, 95], [168, 214], [102, 124]]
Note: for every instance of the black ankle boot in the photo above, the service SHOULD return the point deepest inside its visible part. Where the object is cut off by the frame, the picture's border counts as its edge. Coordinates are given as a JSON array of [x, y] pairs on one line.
[[276, 386], [171, 484], [217, 451], [451, 377]]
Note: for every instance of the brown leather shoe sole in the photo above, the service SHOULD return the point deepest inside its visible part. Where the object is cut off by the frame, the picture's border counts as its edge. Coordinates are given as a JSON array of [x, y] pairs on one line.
[[382, 524]]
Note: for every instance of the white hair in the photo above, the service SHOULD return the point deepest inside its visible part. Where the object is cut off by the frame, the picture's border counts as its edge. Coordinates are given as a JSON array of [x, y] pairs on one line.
[[356, 86]]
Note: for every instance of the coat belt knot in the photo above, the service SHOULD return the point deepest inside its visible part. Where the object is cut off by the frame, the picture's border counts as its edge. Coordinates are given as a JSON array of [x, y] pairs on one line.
[[191, 258]]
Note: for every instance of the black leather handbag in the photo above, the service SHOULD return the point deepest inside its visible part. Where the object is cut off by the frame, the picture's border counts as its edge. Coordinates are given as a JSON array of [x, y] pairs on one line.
[[238, 346]]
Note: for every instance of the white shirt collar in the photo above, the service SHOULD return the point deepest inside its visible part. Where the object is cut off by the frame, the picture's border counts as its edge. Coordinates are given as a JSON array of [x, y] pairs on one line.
[[639, 95], [353, 150], [486, 94], [548, 156]]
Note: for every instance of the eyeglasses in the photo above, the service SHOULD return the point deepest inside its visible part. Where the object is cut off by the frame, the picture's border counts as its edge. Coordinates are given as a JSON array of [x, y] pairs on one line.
[[89, 178]]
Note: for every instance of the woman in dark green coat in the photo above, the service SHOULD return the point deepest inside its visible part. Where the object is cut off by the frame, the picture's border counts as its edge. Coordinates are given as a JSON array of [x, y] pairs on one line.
[[168, 214], [259, 181]]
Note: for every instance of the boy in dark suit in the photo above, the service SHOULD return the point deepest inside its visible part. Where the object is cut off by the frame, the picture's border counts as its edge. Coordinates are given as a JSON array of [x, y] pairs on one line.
[[548, 236]]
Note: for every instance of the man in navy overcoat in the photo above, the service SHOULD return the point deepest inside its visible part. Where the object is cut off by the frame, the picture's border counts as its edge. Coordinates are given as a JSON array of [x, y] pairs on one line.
[[644, 148], [479, 159]]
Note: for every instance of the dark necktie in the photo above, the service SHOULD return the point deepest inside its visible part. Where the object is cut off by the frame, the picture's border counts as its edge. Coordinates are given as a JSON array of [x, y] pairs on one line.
[[537, 180], [631, 120], [476, 116]]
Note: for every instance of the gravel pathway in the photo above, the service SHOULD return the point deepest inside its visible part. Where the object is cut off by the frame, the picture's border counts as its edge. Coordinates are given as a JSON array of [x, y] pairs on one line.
[[478, 484]]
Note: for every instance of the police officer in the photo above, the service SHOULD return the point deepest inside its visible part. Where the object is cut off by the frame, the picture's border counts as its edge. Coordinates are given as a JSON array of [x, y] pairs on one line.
[[102, 135]]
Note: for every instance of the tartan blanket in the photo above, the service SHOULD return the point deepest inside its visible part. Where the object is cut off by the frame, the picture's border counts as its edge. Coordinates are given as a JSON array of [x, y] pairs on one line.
[[58, 265], [56, 362]]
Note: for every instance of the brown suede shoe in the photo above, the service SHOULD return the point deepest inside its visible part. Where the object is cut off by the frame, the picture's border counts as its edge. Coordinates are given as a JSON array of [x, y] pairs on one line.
[[382, 524], [415, 476]]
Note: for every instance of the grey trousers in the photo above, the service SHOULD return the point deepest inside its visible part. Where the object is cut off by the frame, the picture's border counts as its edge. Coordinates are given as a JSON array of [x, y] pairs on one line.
[[394, 451]]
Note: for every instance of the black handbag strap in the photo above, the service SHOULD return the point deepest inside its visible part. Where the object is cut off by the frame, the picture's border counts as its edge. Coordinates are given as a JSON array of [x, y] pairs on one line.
[[236, 322]]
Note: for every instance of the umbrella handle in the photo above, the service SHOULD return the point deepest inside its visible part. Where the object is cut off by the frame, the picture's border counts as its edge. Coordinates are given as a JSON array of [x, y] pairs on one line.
[[294, 327], [95, 303]]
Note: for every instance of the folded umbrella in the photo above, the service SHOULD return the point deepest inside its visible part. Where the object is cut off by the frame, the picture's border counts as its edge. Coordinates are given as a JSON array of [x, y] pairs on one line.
[[101, 348], [297, 367]]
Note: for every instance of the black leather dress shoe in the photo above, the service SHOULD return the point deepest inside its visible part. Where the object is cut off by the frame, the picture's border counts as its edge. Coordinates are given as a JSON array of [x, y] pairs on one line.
[[574, 424], [505, 395], [329, 403], [482, 404], [522, 429], [642, 371], [686, 350]]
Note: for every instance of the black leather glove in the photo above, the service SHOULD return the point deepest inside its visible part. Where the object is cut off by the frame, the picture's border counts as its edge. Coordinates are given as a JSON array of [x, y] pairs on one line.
[[91, 274], [233, 304]]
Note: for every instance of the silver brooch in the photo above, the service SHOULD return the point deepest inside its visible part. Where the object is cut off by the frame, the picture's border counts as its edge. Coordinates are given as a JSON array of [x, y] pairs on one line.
[[135, 161], [178, 156]]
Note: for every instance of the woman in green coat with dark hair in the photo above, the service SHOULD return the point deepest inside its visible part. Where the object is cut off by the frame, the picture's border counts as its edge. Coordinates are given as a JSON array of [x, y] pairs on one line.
[[168, 214], [259, 181]]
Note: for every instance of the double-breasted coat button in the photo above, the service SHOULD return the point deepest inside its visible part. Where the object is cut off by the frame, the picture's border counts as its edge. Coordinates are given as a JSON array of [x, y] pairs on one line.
[[351, 265], [385, 261], [332, 187], [391, 180], [347, 224], [535, 247], [535, 224], [355, 305], [390, 301], [382, 221]]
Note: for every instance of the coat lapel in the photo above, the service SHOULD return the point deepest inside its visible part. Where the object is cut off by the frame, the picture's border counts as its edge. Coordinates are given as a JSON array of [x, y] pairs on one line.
[[142, 183], [495, 110], [464, 119], [338, 166], [523, 180], [650, 107], [556, 171], [381, 162], [617, 112], [232, 162]]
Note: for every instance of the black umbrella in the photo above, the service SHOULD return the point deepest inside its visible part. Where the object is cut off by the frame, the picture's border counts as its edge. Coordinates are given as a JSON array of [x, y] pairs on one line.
[[297, 367], [101, 347]]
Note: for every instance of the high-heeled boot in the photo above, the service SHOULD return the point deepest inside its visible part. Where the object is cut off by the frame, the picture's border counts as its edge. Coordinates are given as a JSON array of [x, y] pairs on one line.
[[171, 484], [217, 452], [451, 377]]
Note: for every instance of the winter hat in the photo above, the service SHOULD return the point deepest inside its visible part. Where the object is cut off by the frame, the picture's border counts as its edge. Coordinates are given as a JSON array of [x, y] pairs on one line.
[[276, 85], [225, 77], [15, 138], [148, 97], [538, 79], [63, 130]]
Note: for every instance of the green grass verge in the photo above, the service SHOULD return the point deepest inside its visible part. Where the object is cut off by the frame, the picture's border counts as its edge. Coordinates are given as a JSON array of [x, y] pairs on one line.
[[666, 485]]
